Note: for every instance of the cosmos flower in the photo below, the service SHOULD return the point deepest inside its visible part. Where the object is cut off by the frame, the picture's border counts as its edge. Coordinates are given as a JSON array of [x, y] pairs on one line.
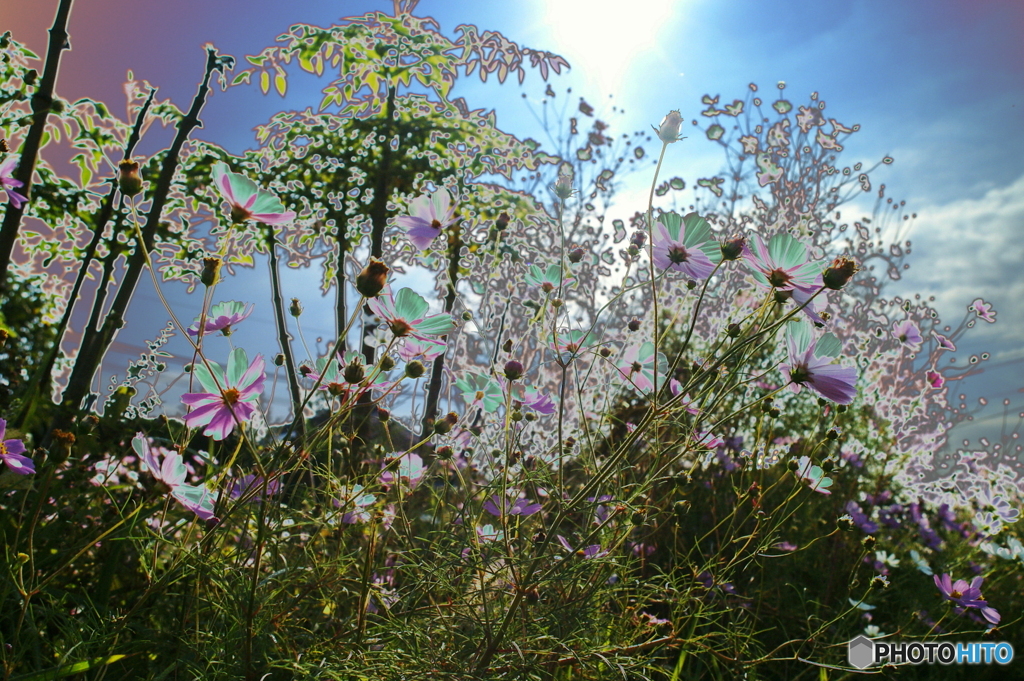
[[966, 595], [8, 183], [679, 245], [167, 467], [907, 333], [521, 506], [592, 551], [934, 379], [409, 468], [813, 475], [782, 263], [944, 342], [636, 364], [220, 408], [406, 315], [248, 201], [983, 310], [11, 452], [811, 364], [222, 317], [253, 483], [429, 215], [355, 502]]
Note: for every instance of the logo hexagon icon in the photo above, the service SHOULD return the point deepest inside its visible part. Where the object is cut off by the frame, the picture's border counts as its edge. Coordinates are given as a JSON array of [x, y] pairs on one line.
[[861, 652]]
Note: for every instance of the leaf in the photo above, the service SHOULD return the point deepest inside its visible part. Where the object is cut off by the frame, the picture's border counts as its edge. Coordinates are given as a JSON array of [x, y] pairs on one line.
[[68, 669], [280, 83], [265, 82]]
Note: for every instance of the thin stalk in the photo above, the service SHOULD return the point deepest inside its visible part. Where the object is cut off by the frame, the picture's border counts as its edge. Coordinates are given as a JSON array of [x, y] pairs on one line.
[[282, 336]]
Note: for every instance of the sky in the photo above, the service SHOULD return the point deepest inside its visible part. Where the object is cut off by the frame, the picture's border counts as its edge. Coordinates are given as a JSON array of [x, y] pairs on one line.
[[936, 84]]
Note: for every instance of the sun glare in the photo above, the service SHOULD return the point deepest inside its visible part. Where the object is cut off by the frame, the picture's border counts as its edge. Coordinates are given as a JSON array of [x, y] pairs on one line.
[[603, 40]]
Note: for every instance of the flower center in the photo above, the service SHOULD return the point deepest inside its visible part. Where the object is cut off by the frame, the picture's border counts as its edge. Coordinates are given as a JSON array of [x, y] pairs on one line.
[[239, 214], [799, 374], [336, 389], [955, 594], [903, 338], [635, 367], [400, 327], [3, 449], [436, 224], [230, 396], [779, 278], [678, 255]]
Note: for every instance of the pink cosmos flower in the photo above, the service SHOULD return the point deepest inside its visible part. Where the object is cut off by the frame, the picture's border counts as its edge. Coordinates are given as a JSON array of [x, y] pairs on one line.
[[247, 200], [410, 468], [356, 501], [592, 551], [421, 349], [935, 379], [8, 183], [167, 467], [907, 333], [222, 317], [782, 263], [406, 314], [230, 398], [944, 342], [684, 244], [811, 365], [254, 484], [11, 452], [966, 595], [430, 214], [637, 365], [983, 310]]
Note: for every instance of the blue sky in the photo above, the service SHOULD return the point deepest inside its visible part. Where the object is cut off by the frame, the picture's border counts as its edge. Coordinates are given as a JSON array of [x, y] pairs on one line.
[[937, 84]]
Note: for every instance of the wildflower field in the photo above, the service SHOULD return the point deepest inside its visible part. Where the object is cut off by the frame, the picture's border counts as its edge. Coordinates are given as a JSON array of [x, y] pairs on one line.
[[703, 442]]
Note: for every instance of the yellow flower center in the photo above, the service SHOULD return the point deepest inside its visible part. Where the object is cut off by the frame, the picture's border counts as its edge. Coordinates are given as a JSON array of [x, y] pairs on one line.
[[230, 396]]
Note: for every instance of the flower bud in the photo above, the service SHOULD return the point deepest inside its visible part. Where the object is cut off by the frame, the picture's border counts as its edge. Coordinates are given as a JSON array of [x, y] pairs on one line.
[[669, 130], [383, 414], [129, 179], [879, 582], [513, 370], [279, 359], [305, 370], [517, 416], [845, 522], [575, 255], [638, 518], [638, 239], [681, 508], [353, 372], [62, 443], [733, 330], [633, 324], [444, 452], [869, 542], [372, 280], [839, 273], [556, 302], [387, 363], [563, 185], [502, 221], [832, 434], [828, 465], [415, 369], [444, 426], [295, 309], [507, 345], [732, 248], [775, 412], [605, 352], [691, 284], [467, 316], [211, 271]]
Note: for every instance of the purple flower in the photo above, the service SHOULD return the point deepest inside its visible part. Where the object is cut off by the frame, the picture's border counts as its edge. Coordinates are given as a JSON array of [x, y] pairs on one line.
[[421, 349], [230, 398], [935, 379], [782, 263], [406, 315], [678, 251], [907, 333], [222, 317], [521, 506], [944, 343], [860, 519], [811, 365], [167, 467], [429, 215], [801, 296], [254, 484], [247, 200], [983, 310], [592, 551], [11, 452], [966, 595], [8, 183]]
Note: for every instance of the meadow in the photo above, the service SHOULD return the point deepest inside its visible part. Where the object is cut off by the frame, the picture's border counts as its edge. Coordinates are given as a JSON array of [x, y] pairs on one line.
[[704, 442]]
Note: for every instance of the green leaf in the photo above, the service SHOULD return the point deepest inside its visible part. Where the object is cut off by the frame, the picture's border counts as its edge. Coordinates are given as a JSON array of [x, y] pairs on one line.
[[68, 669]]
